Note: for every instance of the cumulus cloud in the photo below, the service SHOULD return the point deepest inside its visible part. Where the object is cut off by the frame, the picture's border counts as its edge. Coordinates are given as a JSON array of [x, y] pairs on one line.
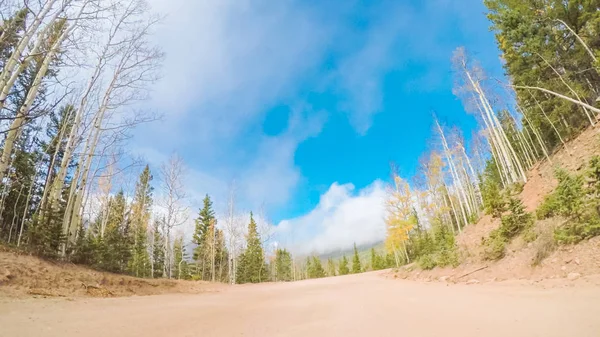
[[227, 60], [344, 216]]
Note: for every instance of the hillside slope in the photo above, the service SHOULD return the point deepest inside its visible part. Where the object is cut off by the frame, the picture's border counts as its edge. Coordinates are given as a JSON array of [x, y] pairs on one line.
[[25, 275], [576, 260]]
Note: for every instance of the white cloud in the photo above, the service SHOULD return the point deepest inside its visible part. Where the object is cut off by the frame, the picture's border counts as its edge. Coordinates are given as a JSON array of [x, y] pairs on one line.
[[361, 74], [343, 217], [228, 60]]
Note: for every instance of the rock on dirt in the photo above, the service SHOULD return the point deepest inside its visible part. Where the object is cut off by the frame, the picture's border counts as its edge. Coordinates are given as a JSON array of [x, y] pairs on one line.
[[473, 281], [573, 276]]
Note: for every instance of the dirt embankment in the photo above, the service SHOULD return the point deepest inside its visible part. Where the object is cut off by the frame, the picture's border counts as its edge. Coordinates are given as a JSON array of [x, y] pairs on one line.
[[581, 261], [24, 275]]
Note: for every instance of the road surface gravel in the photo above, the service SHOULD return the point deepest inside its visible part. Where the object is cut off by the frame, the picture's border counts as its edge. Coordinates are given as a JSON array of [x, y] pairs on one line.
[[356, 305]]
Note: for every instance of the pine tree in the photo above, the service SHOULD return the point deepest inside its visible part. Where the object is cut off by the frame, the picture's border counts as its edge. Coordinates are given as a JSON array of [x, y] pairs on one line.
[[331, 267], [251, 266], [544, 44], [356, 267], [84, 252], [114, 249], [378, 262], [180, 265], [158, 251], [283, 265], [140, 216], [343, 269], [204, 239], [314, 268]]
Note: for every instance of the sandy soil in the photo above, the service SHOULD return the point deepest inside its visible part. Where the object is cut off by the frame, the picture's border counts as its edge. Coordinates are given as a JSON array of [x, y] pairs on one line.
[[357, 305], [24, 276], [574, 158]]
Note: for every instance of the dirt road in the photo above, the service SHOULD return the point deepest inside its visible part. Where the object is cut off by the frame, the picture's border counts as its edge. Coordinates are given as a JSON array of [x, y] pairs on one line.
[[357, 305]]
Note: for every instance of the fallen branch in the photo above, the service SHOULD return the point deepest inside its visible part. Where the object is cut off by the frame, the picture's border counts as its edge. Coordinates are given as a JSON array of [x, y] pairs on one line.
[[471, 272], [594, 109], [103, 291], [43, 292]]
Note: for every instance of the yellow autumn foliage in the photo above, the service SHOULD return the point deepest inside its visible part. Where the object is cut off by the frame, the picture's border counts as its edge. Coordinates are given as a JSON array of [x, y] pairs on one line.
[[400, 219]]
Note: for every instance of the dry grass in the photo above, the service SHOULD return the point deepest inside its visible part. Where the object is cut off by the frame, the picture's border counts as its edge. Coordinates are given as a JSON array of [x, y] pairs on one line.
[[23, 275]]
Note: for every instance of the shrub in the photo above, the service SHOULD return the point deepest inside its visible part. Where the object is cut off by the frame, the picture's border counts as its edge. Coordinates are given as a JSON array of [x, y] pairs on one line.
[[569, 194], [517, 188], [578, 201], [577, 230], [494, 246], [447, 257], [426, 262], [516, 220], [544, 246], [512, 224], [493, 200], [548, 208], [568, 198], [594, 178], [530, 235], [434, 248]]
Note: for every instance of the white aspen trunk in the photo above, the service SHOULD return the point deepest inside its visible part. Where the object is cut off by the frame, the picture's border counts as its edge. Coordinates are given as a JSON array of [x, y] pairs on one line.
[[90, 149], [523, 150], [488, 115], [549, 121], [501, 172], [503, 143], [527, 150], [31, 95], [397, 258], [6, 86], [453, 208], [475, 178], [48, 183], [13, 60], [27, 206], [537, 135], [460, 189], [471, 198], [513, 155], [405, 251], [529, 145], [451, 222], [522, 142], [589, 51], [535, 150], [213, 253], [502, 162], [585, 111], [81, 188], [83, 102], [578, 102], [12, 224]]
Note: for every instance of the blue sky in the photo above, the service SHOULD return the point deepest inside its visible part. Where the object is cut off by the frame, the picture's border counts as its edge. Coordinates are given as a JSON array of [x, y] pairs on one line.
[[303, 104]]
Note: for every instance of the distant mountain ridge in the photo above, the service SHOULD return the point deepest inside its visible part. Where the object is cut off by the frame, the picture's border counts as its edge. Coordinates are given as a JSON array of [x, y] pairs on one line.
[[364, 251]]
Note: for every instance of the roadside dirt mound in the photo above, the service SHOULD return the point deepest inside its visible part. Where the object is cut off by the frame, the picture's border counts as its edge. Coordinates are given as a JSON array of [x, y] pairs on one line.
[[24, 275], [565, 263], [538, 260]]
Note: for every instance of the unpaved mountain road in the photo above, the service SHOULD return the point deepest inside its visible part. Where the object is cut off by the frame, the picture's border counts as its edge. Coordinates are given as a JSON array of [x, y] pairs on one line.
[[356, 305]]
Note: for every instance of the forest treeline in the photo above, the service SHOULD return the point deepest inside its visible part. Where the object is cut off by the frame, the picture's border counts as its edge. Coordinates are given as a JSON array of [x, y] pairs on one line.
[[550, 50], [72, 71]]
